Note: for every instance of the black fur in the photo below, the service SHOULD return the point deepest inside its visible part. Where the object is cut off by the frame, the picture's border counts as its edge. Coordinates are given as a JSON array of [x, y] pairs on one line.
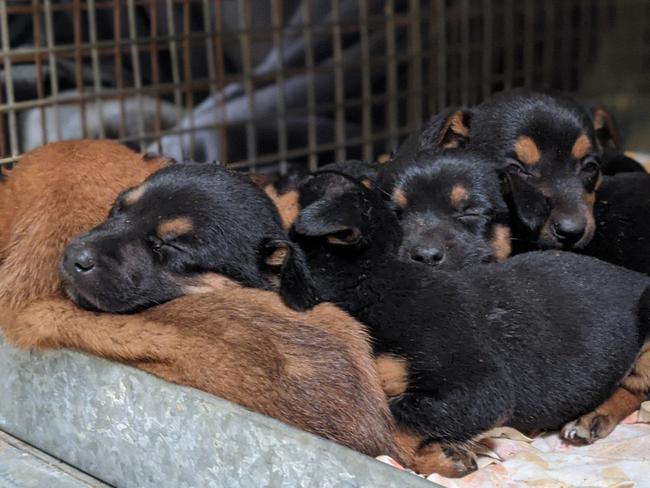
[[616, 163], [531, 343], [124, 265], [622, 214]]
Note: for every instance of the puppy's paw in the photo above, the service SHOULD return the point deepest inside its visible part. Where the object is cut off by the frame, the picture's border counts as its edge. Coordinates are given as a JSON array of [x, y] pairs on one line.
[[462, 461], [588, 429], [448, 461]]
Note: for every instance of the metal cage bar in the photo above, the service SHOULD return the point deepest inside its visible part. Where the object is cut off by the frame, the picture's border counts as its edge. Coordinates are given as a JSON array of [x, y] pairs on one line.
[[270, 84]]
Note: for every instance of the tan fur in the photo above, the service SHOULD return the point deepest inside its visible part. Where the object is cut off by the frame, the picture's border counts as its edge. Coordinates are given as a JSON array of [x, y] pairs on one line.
[[176, 227], [393, 373], [527, 151], [385, 158], [135, 195], [581, 147], [599, 182], [313, 370], [288, 205], [602, 421], [54, 193], [639, 378], [590, 228], [399, 197], [433, 459], [278, 257], [458, 196], [455, 126], [501, 242]]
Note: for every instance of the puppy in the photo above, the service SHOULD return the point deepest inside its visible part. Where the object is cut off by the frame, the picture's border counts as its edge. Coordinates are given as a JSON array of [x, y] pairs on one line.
[[287, 199], [622, 209], [541, 145], [450, 208], [174, 227], [312, 370], [459, 370], [622, 212]]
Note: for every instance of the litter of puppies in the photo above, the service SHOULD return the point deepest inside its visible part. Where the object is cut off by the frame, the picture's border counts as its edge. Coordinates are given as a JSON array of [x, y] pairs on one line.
[[486, 276]]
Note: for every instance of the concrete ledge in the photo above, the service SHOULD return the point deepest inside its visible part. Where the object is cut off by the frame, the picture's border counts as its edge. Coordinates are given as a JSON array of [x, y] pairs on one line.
[[130, 429]]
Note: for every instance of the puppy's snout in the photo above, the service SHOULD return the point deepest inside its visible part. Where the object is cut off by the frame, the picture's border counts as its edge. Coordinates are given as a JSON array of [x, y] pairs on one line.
[[431, 255], [79, 259], [568, 231]]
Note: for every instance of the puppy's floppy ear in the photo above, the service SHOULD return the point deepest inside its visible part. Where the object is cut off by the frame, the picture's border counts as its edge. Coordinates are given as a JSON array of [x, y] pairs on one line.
[[447, 130], [327, 218], [606, 129], [531, 206], [297, 287]]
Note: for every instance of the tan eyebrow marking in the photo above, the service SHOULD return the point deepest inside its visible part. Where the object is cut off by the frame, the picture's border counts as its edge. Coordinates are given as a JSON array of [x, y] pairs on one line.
[[134, 195], [459, 195], [172, 228], [581, 147], [527, 151], [399, 197]]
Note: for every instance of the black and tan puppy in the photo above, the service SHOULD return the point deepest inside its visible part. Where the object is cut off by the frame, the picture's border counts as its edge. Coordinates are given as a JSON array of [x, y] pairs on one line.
[[172, 228], [533, 342], [545, 145], [284, 191], [542, 145], [450, 207]]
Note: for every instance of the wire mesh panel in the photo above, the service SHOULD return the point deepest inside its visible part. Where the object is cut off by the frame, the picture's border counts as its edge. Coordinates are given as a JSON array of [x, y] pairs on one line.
[[263, 84]]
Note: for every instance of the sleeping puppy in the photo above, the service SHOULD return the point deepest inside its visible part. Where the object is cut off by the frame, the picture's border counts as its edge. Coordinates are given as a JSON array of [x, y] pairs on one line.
[[546, 150], [541, 145], [312, 370], [622, 210], [161, 235], [458, 370], [450, 208], [288, 201]]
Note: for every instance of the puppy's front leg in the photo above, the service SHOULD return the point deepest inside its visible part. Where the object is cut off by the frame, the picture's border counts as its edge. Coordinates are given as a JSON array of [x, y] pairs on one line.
[[453, 415], [59, 323]]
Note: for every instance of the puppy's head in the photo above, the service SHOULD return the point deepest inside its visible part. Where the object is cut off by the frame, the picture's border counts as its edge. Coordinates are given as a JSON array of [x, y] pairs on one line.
[[345, 214], [546, 149], [450, 209], [183, 223]]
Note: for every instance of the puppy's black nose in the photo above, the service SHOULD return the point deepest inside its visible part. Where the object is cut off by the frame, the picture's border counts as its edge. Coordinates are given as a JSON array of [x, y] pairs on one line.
[[428, 255], [79, 259], [569, 230]]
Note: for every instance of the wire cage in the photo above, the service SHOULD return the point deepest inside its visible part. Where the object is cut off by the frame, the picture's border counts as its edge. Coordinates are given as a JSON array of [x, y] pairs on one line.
[[261, 84]]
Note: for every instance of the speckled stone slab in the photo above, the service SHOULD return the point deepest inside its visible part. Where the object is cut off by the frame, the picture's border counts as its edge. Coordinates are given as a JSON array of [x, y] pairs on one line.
[[130, 429]]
